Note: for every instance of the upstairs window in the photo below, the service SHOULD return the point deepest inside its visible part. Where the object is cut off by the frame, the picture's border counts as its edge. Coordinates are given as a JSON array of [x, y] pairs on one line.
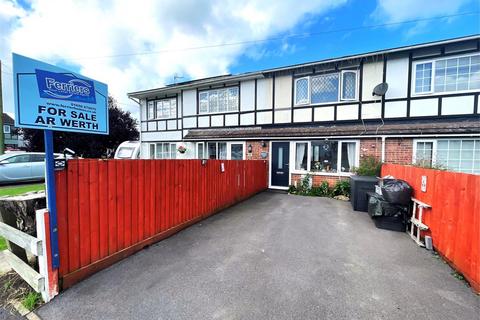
[[448, 75], [219, 100], [162, 109], [167, 108], [327, 88], [151, 110]]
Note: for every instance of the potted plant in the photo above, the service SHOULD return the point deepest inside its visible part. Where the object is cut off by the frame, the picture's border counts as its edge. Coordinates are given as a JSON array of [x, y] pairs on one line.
[[182, 149]]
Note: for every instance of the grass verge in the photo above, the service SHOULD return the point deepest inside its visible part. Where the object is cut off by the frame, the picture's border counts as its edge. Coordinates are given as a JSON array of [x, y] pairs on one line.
[[17, 190]]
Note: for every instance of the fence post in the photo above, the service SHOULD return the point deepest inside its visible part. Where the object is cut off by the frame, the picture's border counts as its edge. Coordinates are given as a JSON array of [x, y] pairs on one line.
[[45, 259]]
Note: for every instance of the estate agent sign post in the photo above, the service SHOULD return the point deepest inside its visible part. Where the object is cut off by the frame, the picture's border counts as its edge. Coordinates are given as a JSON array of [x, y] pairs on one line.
[[54, 99]]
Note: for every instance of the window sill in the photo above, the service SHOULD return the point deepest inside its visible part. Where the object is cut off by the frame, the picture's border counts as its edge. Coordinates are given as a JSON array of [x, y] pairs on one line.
[[444, 93], [313, 173], [335, 103], [217, 113]]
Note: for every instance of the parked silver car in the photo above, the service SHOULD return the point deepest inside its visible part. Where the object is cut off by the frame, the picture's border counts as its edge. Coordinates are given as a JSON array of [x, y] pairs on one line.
[[23, 167]]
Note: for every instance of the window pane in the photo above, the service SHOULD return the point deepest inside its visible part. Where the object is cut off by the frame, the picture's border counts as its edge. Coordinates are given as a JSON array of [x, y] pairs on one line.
[[301, 156], [150, 110], [349, 156], [237, 151], [424, 153], [159, 154], [218, 100], [301, 91], [222, 100], [213, 101], [349, 85], [456, 74], [232, 99], [222, 150], [173, 108], [212, 150], [324, 88], [324, 156], [203, 97], [173, 151], [423, 77], [200, 150], [280, 158], [459, 155], [152, 151]]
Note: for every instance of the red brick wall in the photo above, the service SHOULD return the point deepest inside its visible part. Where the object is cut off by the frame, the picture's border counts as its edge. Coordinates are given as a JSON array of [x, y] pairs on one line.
[[317, 179], [371, 147], [398, 150], [257, 149]]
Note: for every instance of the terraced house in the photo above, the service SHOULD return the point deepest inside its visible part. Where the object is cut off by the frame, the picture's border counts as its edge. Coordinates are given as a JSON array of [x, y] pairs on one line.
[[323, 117]]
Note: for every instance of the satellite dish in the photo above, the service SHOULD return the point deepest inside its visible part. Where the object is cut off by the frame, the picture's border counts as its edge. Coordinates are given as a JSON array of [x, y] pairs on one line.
[[380, 89]]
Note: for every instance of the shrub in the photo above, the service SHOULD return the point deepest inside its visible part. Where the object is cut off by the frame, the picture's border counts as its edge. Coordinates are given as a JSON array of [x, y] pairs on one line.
[[341, 188], [292, 189], [369, 166]]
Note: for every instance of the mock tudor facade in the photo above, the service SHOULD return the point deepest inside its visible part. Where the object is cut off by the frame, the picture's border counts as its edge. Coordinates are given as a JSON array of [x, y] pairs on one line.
[[322, 117]]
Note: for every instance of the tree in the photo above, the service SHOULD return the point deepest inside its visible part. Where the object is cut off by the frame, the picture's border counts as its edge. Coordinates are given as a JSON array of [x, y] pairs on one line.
[[122, 127]]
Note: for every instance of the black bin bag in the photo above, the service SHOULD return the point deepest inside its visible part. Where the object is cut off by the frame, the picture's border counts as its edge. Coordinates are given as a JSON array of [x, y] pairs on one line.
[[397, 192]]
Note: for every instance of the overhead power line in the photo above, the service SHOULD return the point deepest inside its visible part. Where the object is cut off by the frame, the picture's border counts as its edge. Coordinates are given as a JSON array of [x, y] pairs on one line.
[[279, 38]]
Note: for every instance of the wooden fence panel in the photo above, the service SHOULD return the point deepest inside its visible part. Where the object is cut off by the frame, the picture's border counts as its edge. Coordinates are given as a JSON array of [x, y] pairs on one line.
[[109, 209], [454, 220]]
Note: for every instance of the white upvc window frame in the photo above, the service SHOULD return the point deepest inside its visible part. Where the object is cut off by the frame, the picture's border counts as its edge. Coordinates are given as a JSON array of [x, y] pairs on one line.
[[293, 155], [6, 129], [414, 78], [340, 88], [150, 115], [304, 102], [229, 149], [434, 149], [207, 91], [432, 91], [170, 115], [341, 98], [196, 150], [171, 144]]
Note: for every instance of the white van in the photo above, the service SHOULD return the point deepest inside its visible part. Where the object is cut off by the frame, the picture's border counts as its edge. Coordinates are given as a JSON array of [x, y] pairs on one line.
[[128, 150]]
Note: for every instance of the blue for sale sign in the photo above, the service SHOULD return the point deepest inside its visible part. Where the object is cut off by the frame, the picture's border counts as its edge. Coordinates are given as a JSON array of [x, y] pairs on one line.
[[48, 97]]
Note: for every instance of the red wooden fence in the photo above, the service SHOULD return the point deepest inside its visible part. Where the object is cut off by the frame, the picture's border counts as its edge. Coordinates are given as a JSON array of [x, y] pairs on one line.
[[454, 219], [109, 209]]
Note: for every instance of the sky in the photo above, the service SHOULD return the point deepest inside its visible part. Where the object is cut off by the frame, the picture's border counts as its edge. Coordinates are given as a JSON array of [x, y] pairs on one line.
[[144, 44]]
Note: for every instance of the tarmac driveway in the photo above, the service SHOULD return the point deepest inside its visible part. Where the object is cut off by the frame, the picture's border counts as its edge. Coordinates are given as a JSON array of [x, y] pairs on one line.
[[275, 256]]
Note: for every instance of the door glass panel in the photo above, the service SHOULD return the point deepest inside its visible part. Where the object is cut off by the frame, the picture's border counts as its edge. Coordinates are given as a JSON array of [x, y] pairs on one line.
[[237, 151], [280, 157]]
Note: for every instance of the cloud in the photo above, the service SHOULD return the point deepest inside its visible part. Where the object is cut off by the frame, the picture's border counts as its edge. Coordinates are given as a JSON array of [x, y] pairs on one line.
[[391, 11], [83, 34]]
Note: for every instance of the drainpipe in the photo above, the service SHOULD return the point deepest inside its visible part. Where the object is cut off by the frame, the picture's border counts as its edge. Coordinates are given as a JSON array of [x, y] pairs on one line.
[[383, 148]]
